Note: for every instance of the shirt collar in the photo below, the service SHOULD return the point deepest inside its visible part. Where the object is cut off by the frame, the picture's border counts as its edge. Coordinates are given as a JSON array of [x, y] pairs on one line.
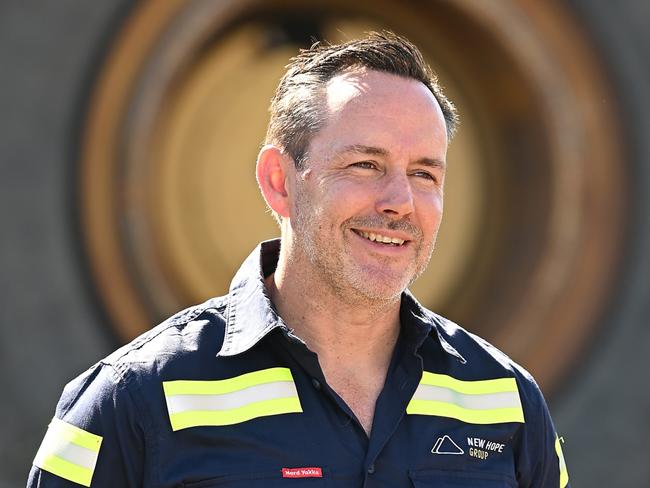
[[250, 314], [420, 323]]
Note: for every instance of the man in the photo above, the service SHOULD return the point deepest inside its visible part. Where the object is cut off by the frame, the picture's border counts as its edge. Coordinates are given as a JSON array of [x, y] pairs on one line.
[[319, 368]]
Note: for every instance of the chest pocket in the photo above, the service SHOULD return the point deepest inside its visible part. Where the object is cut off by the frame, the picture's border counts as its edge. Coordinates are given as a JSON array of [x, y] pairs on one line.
[[260, 480], [440, 478]]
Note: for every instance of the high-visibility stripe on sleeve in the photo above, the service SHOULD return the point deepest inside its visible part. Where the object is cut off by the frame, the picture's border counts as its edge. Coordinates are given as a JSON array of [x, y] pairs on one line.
[[231, 401], [491, 401], [69, 452], [564, 474]]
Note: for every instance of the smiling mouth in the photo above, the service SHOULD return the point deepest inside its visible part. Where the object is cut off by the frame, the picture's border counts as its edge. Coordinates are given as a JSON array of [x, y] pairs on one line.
[[371, 236]]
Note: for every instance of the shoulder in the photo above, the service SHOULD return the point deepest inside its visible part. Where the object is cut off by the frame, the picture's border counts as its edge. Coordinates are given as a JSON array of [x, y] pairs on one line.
[[477, 359], [132, 371], [197, 329]]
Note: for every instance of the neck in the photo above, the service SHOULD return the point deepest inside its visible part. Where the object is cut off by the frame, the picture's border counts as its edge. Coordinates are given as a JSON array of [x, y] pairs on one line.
[[341, 327]]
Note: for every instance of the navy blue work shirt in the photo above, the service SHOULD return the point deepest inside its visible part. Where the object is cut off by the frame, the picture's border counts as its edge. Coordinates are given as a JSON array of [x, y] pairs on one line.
[[224, 395]]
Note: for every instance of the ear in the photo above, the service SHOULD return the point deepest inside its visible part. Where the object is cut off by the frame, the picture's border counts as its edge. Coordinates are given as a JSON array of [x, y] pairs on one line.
[[273, 169]]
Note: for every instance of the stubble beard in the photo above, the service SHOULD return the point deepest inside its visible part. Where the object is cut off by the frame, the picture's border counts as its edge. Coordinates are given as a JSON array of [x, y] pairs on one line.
[[345, 278]]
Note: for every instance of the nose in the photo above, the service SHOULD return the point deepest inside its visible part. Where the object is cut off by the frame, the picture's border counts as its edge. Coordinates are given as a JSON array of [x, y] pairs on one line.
[[396, 196]]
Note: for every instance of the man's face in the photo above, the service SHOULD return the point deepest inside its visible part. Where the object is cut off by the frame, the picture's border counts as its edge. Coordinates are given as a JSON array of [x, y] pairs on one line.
[[367, 208]]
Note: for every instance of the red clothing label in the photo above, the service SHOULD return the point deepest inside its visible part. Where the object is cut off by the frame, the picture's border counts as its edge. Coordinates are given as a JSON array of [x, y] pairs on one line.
[[302, 472]]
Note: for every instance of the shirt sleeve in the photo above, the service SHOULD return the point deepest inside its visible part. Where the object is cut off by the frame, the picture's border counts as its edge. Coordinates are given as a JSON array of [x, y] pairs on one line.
[[96, 437], [539, 457]]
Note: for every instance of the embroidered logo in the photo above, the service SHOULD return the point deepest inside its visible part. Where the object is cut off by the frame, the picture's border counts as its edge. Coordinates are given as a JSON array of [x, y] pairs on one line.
[[302, 472], [481, 448], [445, 445]]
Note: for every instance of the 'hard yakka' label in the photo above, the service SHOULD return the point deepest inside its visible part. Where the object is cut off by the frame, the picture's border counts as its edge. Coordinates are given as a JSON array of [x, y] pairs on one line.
[[302, 472]]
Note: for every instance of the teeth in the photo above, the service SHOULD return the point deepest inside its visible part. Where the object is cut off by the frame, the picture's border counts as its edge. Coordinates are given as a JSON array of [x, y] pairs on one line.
[[379, 238]]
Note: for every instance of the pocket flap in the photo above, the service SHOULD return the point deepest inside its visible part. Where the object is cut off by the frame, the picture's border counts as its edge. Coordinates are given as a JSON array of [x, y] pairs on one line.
[[443, 478]]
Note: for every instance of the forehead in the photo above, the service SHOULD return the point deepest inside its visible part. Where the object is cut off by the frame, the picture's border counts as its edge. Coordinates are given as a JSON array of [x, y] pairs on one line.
[[367, 107], [360, 86]]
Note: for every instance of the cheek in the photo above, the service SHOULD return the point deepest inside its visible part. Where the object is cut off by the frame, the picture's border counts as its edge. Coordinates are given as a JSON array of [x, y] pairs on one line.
[[429, 210], [346, 198]]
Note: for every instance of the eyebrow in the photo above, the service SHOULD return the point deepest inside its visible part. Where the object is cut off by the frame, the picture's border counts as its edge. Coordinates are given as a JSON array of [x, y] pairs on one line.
[[380, 151]]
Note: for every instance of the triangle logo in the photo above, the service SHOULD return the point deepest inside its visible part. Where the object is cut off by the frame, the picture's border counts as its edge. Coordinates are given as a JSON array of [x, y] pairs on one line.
[[445, 445]]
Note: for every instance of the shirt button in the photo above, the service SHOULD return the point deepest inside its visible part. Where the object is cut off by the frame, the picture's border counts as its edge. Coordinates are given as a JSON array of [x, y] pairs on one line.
[[316, 383], [371, 469]]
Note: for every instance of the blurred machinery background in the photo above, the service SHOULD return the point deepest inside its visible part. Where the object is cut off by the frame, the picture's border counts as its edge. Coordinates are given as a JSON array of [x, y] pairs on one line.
[[128, 138]]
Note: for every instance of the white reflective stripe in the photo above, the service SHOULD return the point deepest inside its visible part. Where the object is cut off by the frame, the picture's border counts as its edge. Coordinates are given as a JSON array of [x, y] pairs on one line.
[[232, 400], [562, 461], [482, 401], [69, 452], [55, 446]]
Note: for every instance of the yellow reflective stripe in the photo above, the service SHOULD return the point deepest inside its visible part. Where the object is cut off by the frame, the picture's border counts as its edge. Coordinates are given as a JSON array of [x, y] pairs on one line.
[[230, 401], [470, 416], [499, 385], [263, 408], [219, 387], [66, 470], [69, 452], [490, 401], [75, 435], [564, 473]]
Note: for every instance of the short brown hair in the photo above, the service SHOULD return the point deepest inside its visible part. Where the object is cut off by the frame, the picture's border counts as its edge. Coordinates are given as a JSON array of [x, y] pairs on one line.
[[297, 107]]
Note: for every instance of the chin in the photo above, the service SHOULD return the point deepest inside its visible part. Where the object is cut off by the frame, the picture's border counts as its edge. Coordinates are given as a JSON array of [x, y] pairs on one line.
[[382, 288], [384, 295]]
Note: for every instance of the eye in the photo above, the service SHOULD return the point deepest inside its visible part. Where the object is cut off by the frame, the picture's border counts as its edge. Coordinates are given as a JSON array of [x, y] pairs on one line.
[[426, 175], [365, 165]]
